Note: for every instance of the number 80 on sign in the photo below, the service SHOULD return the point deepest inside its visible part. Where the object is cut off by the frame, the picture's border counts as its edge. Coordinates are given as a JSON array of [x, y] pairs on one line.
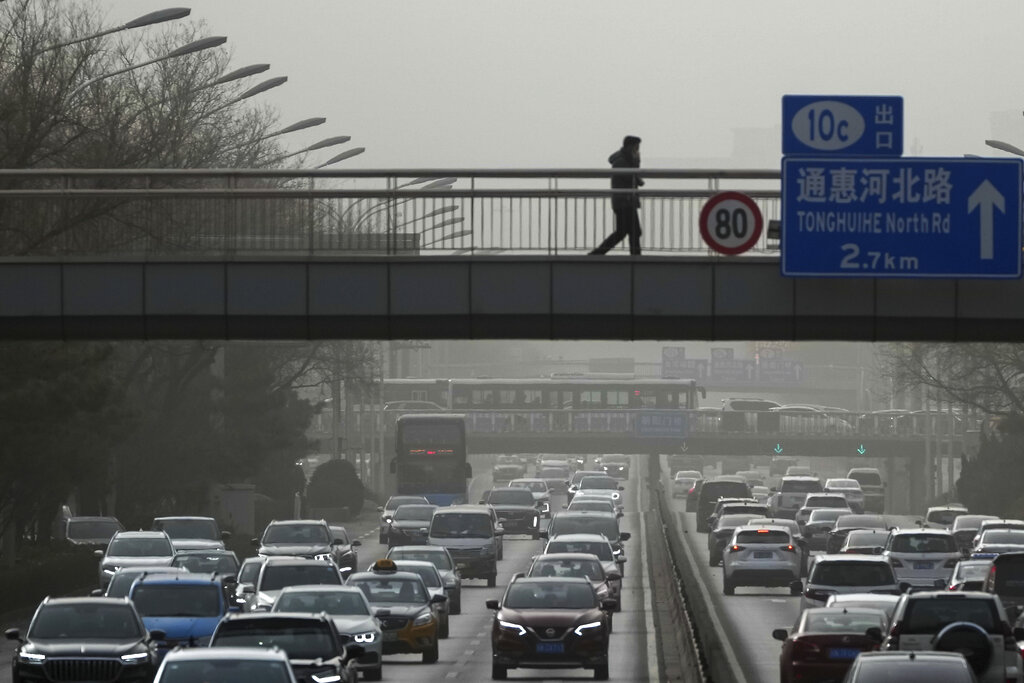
[[730, 223]]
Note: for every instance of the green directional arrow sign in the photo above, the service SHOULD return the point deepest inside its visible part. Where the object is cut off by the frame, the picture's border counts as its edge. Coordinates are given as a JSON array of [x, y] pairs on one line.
[[778, 448], [862, 450]]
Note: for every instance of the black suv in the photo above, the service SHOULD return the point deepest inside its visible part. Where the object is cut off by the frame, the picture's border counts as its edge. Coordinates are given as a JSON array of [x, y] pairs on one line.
[[85, 639], [516, 509], [308, 538], [312, 642]]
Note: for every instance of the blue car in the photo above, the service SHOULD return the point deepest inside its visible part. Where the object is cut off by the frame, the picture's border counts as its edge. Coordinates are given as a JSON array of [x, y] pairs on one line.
[[185, 607]]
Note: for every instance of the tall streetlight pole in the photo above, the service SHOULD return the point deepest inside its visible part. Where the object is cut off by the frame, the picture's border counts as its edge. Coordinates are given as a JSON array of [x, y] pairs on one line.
[[157, 17], [254, 90], [355, 151], [1005, 147], [194, 46]]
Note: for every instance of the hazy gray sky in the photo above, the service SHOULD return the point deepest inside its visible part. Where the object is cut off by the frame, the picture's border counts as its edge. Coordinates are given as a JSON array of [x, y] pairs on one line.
[[557, 83]]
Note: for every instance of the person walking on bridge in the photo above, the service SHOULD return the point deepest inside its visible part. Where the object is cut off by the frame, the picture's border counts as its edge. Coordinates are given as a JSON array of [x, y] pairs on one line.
[[625, 206]]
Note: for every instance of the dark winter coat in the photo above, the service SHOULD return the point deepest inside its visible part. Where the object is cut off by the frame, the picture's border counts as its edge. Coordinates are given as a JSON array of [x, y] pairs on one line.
[[622, 159]]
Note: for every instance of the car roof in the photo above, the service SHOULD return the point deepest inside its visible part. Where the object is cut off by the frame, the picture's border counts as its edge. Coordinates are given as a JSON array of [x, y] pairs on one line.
[[951, 595], [295, 560], [151, 569], [758, 527], [551, 579], [187, 578], [800, 477], [439, 549], [208, 551], [269, 654], [189, 517], [585, 514], [851, 558], [92, 518], [922, 530], [88, 600], [386, 575], [579, 538], [141, 534], [291, 616], [864, 597], [464, 509], [321, 588], [400, 563], [566, 556], [277, 522]]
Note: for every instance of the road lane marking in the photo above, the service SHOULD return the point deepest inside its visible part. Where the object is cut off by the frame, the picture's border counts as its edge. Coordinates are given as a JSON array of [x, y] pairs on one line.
[[652, 645], [452, 674]]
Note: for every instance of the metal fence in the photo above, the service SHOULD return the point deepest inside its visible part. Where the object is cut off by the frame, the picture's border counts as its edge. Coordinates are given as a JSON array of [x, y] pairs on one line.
[[426, 211]]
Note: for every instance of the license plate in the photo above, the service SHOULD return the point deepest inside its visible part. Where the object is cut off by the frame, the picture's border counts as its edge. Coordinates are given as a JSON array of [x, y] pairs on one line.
[[922, 565], [763, 555], [843, 653], [551, 648], [390, 635]]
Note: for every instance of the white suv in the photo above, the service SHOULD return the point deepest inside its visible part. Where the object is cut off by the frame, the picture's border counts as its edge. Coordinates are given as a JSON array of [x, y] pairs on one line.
[[814, 501], [924, 558], [761, 556], [836, 574], [969, 622]]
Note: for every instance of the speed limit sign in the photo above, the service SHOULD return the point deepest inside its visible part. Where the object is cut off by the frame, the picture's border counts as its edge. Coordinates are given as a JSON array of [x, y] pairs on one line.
[[730, 223]]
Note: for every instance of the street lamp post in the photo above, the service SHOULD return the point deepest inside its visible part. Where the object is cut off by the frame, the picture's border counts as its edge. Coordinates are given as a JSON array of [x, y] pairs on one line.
[[194, 46], [157, 17], [1005, 147]]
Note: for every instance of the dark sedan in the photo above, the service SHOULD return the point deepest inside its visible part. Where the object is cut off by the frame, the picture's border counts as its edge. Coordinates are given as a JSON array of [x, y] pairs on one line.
[[516, 509], [549, 623], [825, 642], [409, 525]]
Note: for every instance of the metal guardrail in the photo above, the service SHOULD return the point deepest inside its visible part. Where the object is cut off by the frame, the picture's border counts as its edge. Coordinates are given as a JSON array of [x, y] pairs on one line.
[[67, 212]]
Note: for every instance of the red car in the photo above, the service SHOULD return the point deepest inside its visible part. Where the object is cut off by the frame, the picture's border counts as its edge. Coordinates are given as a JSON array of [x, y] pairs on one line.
[[825, 642]]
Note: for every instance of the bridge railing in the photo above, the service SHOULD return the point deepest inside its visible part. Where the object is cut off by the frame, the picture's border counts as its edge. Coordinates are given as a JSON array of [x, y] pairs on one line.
[[679, 423], [422, 211]]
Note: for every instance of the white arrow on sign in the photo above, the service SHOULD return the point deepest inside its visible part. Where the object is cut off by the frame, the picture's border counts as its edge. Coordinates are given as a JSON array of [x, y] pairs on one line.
[[984, 198]]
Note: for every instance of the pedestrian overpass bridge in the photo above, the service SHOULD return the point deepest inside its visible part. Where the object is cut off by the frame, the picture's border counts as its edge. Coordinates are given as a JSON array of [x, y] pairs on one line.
[[435, 253]]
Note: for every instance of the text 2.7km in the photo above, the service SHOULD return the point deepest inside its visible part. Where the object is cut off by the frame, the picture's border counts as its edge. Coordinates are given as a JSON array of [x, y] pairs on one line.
[[874, 260]]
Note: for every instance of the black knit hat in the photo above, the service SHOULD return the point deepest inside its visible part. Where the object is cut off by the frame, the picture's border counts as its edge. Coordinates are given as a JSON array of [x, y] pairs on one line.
[[630, 140]]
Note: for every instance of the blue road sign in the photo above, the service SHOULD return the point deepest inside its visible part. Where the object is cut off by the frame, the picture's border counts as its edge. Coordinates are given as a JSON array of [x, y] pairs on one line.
[[661, 423], [780, 371], [847, 125], [733, 371], [912, 217]]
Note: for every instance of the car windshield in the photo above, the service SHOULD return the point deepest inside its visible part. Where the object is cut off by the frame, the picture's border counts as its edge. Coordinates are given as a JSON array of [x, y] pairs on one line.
[[299, 640], [589, 505], [340, 533], [155, 600], [606, 526], [763, 536], [932, 614], [840, 622], [391, 590], [1004, 537], [824, 515], [431, 579], [213, 564], [188, 528], [826, 502], [396, 501], [438, 559], [586, 569], [92, 529], [842, 484], [336, 603], [605, 483], [924, 543], [249, 571], [800, 486], [859, 537], [516, 496], [867, 478], [299, 534], [225, 671], [852, 574], [462, 526], [860, 522], [550, 595], [276, 577], [83, 620], [602, 549], [534, 486], [140, 547], [420, 513]]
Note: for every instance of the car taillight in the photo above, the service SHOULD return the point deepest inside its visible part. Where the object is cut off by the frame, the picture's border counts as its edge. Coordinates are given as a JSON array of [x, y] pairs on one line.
[[788, 548], [737, 548], [803, 648], [691, 489]]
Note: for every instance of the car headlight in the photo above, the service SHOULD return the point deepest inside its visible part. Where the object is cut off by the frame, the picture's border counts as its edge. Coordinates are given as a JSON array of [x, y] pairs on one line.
[[511, 626], [367, 637], [31, 658], [135, 658], [615, 496], [536, 520], [583, 628], [326, 677], [423, 619]]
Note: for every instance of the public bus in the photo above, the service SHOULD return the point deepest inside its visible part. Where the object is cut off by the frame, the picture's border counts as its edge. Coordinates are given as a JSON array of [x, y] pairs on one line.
[[430, 457]]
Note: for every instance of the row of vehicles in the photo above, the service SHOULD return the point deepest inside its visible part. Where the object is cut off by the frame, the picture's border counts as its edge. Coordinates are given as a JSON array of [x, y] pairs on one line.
[[905, 591]]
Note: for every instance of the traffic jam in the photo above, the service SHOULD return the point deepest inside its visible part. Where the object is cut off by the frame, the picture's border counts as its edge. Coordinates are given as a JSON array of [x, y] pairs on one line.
[[174, 604], [876, 597]]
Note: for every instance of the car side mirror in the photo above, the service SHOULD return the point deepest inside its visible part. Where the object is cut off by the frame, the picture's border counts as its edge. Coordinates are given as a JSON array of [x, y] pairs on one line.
[[613, 576], [499, 531], [622, 488], [607, 605], [493, 604], [380, 509], [543, 534], [619, 514], [12, 634], [356, 543], [157, 634], [254, 542], [620, 560], [225, 535], [438, 599], [482, 502], [874, 633], [780, 634], [625, 536], [565, 507], [98, 553]]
